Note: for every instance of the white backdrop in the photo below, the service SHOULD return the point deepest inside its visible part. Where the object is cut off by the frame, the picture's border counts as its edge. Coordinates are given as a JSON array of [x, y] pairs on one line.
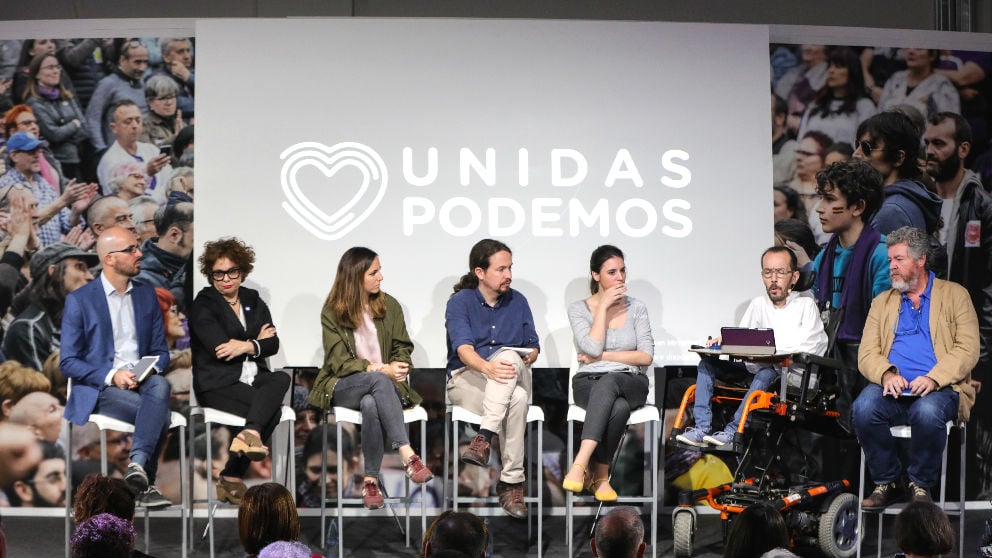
[[417, 138]]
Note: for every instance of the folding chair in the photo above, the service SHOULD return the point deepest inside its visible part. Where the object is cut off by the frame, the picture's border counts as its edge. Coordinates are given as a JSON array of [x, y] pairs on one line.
[[650, 416], [214, 416], [344, 415], [905, 432], [105, 423]]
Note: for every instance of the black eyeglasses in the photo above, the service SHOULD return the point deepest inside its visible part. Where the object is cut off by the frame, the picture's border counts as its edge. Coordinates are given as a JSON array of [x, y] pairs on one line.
[[866, 148], [128, 250], [218, 274]]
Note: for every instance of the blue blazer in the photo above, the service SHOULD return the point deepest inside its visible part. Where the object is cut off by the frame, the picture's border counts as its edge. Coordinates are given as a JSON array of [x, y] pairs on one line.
[[87, 347]]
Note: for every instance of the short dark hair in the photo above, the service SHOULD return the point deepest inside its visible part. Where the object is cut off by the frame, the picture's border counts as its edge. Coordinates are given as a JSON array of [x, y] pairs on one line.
[[619, 533], [962, 129], [793, 261], [899, 134], [857, 180], [174, 215], [922, 528], [457, 530], [112, 111]]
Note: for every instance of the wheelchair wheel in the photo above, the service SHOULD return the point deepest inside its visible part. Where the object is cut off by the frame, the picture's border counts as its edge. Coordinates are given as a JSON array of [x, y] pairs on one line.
[[838, 534], [683, 527]]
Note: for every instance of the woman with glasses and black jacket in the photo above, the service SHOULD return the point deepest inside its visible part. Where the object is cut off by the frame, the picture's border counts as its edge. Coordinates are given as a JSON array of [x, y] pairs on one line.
[[232, 335]]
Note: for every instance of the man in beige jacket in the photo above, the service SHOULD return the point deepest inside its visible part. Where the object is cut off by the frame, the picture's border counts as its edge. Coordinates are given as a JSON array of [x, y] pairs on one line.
[[919, 346]]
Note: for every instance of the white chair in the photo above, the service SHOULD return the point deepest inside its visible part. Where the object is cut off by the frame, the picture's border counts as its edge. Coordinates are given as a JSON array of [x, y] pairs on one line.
[[105, 423], [905, 432], [344, 415], [213, 416], [650, 417], [535, 418]]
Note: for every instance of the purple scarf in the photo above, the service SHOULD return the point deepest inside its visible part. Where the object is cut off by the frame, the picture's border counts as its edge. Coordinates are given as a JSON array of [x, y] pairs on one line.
[[52, 93], [855, 296]]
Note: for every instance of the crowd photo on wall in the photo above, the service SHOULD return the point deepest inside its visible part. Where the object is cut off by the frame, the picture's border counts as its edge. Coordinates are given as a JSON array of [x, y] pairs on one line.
[[882, 171]]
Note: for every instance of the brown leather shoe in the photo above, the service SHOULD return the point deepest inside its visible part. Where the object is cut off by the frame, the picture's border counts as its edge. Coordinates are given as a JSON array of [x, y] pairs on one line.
[[882, 497], [918, 493], [477, 452], [511, 499]]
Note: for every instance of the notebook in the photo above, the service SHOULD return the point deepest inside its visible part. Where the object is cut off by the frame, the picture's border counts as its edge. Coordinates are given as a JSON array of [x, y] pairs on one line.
[[742, 340]]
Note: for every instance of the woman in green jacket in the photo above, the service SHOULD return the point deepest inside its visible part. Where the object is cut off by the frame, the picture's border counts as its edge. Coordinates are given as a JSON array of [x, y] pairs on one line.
[[366, 362]]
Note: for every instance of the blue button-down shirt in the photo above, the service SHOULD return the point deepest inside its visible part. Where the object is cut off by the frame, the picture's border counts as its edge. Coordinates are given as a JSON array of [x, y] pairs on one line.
[[470, 321], [912, 350]]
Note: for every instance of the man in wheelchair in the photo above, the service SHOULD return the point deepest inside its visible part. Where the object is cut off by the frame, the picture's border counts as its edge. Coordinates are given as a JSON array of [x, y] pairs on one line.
[[798, 328]]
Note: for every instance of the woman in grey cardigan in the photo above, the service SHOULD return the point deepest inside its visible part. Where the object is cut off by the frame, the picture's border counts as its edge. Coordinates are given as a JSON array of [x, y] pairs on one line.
[[615, 348]]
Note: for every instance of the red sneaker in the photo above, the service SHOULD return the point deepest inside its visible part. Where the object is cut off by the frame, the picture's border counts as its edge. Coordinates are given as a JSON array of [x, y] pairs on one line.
[[372, 496], [416, 471]]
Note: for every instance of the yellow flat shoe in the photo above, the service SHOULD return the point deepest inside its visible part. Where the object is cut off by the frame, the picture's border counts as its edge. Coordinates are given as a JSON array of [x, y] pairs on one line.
[[607, 495], [575, 486]]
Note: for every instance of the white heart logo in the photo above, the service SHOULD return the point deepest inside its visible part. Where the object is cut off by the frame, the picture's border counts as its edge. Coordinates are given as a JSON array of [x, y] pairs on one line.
[[329, 160]]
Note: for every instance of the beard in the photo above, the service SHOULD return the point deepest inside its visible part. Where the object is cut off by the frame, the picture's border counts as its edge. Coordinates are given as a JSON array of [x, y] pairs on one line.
[[945, 170], [905, 284]]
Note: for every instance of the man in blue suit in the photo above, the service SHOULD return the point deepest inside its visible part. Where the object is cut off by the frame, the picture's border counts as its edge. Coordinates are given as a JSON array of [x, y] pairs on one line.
[[107, 326]]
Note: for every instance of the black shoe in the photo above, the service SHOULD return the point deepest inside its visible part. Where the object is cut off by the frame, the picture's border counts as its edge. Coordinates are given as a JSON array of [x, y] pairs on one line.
[[152, 499], [136, 479], [919, 493], [477, 452], [882, 497]]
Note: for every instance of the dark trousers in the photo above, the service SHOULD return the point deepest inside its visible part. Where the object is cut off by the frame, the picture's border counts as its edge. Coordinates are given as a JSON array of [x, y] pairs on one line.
[[260, 404], [608, 398]]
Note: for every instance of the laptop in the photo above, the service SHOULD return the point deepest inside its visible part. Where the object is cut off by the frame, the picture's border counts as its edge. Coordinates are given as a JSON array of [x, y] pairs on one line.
[[746, 341]]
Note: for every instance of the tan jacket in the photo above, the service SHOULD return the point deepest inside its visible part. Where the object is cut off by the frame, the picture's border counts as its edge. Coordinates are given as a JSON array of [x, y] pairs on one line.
[[953, 329]]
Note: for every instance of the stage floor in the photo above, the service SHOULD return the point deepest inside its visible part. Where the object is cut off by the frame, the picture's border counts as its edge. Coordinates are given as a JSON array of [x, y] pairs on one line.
[[368, 537]]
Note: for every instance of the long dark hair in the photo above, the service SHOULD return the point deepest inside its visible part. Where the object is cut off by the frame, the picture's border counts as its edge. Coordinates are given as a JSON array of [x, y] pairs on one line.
[[31, 88], [757, 529], [348, 299], [842, 57], [48, 291], [596, 261], [479, 257]]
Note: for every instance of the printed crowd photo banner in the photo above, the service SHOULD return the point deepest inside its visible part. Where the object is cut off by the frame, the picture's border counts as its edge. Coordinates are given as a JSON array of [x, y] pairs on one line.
[[417, 138]]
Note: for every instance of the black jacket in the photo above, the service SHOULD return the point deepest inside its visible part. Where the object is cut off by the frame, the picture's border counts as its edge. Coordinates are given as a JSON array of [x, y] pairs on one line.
[[212, 323], [972, 267]]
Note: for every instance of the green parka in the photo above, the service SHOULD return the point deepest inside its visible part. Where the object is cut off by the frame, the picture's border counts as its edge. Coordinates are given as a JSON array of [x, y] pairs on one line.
[[340, 359]]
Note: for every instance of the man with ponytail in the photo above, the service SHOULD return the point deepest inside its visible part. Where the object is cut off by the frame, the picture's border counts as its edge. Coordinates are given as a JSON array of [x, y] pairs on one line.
[[485, 321]]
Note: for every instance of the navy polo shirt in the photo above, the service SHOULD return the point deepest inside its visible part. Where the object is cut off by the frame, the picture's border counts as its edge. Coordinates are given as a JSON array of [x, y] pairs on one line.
[[470, 321]]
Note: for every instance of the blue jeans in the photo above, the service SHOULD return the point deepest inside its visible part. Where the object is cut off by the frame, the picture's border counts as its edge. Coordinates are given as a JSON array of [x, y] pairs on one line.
[[873, 414], [710, 368], [375, 396], [147, 408]]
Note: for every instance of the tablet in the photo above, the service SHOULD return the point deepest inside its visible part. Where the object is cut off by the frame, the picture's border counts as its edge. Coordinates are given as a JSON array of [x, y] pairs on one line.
[[144, 368]]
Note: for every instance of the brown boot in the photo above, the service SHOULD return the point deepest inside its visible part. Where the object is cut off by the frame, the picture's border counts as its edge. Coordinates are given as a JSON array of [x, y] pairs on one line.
[[882, 497]]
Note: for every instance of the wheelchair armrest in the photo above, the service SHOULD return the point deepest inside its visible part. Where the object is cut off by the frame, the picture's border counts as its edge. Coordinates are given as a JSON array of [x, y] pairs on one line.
[[817, 360]]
